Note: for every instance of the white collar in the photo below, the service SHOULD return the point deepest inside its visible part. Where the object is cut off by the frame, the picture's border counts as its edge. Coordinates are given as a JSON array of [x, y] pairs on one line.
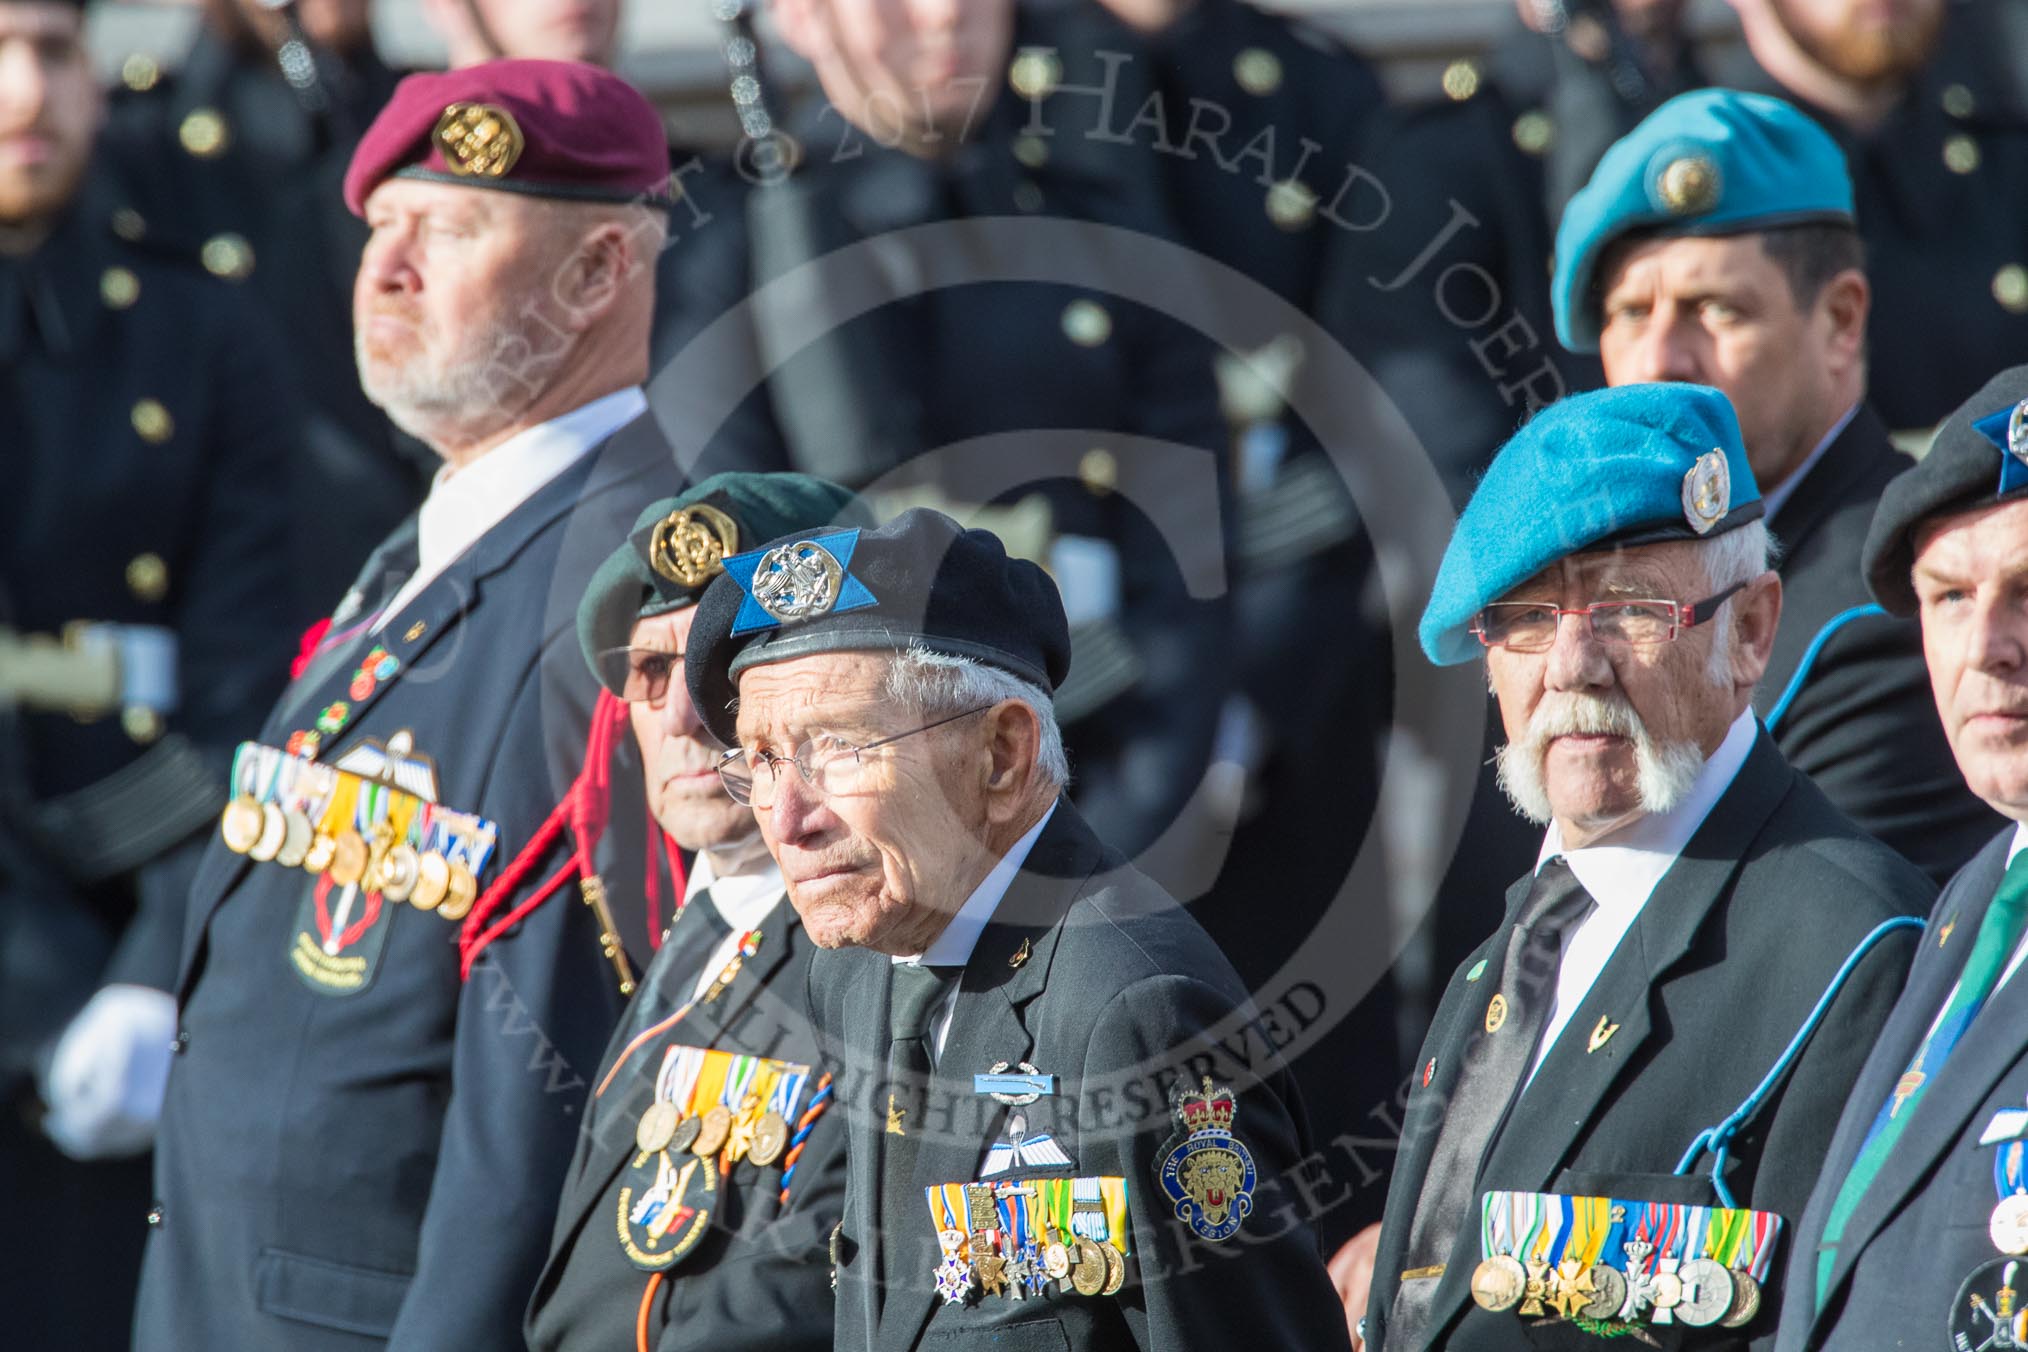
[[1624, 872], [953, 948], [2018, 843], [743, 900], [1771, 499], [464, 504]]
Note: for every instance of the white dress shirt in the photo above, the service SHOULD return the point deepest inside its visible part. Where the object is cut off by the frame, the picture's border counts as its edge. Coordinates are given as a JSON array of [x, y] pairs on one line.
[[742, 901], [1771, 500], [953, 948], [1621, 874], [464, 504], [2014, 847]]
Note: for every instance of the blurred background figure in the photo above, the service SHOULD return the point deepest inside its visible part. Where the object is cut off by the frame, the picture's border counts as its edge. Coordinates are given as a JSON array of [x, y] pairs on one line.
[[555, 30], [237, 156], [1930, 100], [144, 615]]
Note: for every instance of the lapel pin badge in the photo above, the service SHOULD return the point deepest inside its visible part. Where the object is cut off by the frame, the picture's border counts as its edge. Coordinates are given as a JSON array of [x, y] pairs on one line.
[[1601, 1034]]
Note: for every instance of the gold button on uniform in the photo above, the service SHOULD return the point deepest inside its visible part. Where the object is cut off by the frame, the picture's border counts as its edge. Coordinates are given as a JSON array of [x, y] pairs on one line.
[[143, 725], [1258, 70], [1035, 74], [148, 577], [129, 225], [139, 72], [204, 133], [1960, 154], [1461, 80], [1086, 323], [1534, 132], [2010, 288], [152, 421], [1958, 101], [1291, 204], [415, 631], [119, 288], [1032, 151], [228, 256], [1098, 469]]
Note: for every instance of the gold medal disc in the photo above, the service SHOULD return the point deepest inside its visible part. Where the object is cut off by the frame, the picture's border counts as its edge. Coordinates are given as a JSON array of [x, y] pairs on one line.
[[715, 1126], [1745, 1301], [656, 1127], [770, 1138], [348, 860], [240, 825], [1056, 1261], [460, 894], [1116, 1269], [323, 849], [274, 830], [2009, 1224], [432, 881], [1088, 1272]]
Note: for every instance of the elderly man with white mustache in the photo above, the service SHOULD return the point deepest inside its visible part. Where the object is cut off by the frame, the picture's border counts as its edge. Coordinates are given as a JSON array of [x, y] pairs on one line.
[[1694, 898]]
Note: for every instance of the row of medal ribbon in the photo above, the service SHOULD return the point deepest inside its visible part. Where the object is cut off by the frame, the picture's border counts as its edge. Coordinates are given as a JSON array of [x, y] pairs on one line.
[[1015, 1239], [1602, 1261], [314, 816], [710, 1102]]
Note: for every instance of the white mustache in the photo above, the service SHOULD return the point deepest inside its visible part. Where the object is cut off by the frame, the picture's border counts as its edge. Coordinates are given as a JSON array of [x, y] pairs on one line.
[[1582, 715]]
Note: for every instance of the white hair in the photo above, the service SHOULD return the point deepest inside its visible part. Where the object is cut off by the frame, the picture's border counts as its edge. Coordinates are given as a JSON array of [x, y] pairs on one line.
[[933, 684], [1739, 555]]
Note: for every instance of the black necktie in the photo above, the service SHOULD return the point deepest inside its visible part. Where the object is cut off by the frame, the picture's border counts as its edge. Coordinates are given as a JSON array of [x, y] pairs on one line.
[[912, 1003], [695, 935], [1496, 1061]]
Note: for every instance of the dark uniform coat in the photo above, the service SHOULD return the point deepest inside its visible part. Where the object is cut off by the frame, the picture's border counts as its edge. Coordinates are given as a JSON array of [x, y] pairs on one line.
[[379, 1167], [223, 157], [1719, 970], [1089, 973], [1921, 1228], [761, 1278], [1846, 693], [140, 439]]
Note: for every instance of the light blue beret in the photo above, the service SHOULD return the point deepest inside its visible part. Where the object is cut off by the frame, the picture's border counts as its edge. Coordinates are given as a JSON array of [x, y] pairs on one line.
[[1631, 465], [1711, 162]]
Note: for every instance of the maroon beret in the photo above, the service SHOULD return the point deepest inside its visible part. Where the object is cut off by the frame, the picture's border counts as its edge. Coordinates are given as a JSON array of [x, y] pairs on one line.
[[547, 128]]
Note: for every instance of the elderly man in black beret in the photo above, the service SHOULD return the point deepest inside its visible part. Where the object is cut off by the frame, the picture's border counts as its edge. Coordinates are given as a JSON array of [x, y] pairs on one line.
[[1052, 1140], [1915, 1235]]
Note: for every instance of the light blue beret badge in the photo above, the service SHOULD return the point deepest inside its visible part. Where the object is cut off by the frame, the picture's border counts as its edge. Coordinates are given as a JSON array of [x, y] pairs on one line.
[[1205, 1170], [797, 581], [2008, 429]]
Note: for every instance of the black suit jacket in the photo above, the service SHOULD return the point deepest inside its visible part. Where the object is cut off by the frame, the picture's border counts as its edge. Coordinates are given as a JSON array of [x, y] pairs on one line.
[[380, 1168], [761, 1278], [1091, 973], [1720, 968], [1921, 1228], [1846, 692]]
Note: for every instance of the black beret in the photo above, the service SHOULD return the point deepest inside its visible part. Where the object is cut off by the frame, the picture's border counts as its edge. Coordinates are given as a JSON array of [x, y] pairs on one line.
[[920, 581], [1980, 457], [678, 545]]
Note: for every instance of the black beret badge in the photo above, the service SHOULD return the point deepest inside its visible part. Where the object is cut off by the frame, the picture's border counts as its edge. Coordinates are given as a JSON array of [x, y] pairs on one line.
[[2008, 429], [798, 581]]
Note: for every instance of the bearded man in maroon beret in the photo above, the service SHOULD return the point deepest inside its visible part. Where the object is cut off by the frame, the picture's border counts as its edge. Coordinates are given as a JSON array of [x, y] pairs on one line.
[[389, 1001]]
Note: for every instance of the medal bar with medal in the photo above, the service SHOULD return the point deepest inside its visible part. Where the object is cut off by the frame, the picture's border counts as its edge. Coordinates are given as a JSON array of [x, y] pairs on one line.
[[1012, 1200], [432, 870], [1570, 1284], [308, 792], [1668, 1279], [719, 1118], [1113, 1193], [398, 868], [1604, 1222], [953, 1274], [461, 886], [273, 829], [706, 1105], [1498, 1280], [239, 826], [1750, 1273], [663, 1119], [771, 1133], [324, 845], [1057, 1253], [759, 1089], [1707, 1286], [1088, 1223]]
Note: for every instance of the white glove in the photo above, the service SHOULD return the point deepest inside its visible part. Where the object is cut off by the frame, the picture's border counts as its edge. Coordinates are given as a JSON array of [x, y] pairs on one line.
[[105, 1083]]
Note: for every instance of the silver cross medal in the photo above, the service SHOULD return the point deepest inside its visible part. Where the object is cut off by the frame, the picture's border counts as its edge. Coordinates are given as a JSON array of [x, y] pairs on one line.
[[1640, 1286]]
